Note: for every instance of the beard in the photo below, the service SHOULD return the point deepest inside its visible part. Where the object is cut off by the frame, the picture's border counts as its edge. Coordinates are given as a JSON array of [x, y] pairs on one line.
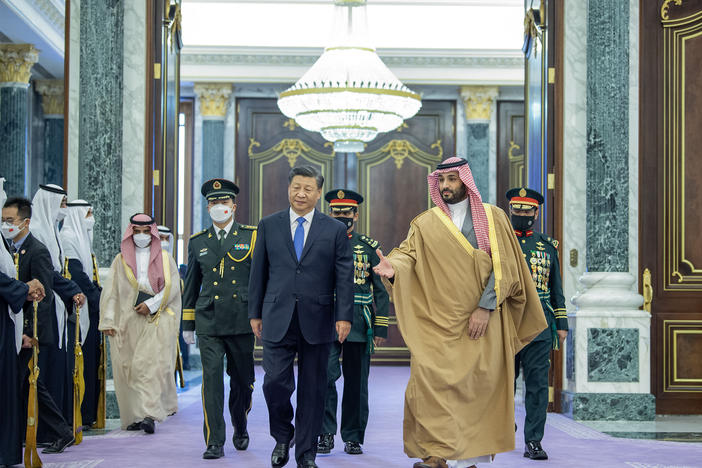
[[452, 197]]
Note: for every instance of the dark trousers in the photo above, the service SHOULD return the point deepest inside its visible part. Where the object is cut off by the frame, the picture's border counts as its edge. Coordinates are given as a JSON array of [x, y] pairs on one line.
[[279, 384], [51, 421], [10, 403], [91, 362], [535, 359], [354, 403], [53, 363], [240, 368]]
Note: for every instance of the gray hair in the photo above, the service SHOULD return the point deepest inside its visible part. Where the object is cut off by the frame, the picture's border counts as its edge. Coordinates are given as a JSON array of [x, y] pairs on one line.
[[306, 171]]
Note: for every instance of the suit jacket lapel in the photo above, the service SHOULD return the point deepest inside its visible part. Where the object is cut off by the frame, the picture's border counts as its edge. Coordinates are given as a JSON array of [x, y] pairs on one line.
[[315, 229]]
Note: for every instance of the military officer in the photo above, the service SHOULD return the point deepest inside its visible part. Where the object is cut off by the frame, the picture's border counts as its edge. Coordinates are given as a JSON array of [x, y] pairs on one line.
[[541, 254], [215, 304], [369, 329]]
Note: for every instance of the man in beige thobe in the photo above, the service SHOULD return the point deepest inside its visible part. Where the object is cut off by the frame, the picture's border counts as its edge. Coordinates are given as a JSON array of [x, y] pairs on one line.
[[140, 311], [465, 305]]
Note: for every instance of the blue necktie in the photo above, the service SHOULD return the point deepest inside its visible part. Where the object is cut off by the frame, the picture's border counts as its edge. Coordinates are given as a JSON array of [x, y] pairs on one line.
[[299, 239]]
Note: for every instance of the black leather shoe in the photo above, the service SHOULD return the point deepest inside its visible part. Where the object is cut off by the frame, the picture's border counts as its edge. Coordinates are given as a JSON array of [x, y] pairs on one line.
[[307, 464], [213, 452], [148, 425], [326, 443], [280, 455], [241, 440], [134, 426], [60, 445], [534, 451], [353, 448]]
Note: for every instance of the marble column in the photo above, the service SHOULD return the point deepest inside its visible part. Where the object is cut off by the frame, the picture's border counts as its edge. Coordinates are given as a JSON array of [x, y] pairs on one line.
[[608, 348], [479, 102], [16, 61], [214, 101], [51, 92], [100, 128]]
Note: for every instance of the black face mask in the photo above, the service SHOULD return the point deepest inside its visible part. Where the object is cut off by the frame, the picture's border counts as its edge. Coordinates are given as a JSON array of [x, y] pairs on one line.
[[347, 220], [523, 223]]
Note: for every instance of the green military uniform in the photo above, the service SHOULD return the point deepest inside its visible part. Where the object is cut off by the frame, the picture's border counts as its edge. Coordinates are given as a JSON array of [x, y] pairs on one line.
[[215, 304], [541, 254], [358, 346]]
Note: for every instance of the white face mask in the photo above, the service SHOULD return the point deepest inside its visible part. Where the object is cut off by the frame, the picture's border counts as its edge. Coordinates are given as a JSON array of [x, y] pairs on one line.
[[89, 223], [10, 231], [220, 213], [142, 240], [62, 214], [165, 245]]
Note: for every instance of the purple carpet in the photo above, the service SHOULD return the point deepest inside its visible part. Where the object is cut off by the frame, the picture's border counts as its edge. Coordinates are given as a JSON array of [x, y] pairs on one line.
[[179, 441]]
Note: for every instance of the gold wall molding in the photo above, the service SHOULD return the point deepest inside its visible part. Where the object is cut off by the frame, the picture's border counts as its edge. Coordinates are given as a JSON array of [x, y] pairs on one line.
[[679, 272], [478, 101], [51, 96], [399, 150], [291, 148], [214, 98], [666, 6], [673, 332], [16, 62]]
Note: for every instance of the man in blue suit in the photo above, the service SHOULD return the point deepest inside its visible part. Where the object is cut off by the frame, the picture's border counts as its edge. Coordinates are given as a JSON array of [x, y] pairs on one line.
[[300, 292]]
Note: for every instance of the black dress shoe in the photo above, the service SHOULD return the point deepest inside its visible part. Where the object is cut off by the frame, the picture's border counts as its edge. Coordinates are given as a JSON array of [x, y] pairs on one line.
[[134, 426], [213, 452], [353, 448], [241, 440], [148, 425], [307, 464], [534, 451], [326, 443], [60, 445], [280, 455]]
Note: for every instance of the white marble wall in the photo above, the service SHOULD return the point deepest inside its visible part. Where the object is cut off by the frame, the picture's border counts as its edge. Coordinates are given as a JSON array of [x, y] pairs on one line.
[[73, 120], [492, 157], [634, 141], [197, 168], [133, 109], [574, 145]]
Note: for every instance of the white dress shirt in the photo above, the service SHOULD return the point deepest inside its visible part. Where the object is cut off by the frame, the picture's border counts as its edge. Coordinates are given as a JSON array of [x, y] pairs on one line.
[[143, 255], [226, 228], [306, 225], [458, 212]]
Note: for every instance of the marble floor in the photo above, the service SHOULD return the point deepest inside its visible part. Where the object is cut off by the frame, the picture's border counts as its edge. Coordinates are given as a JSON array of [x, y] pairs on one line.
[[668, 442]]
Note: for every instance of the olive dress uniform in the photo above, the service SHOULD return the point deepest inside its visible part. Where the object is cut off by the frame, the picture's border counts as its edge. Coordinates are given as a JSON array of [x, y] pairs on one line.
[[215, 305], [358, 346], [541, 254]]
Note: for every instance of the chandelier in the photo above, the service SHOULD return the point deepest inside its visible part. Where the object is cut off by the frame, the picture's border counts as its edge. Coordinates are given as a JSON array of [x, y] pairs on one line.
[[349, 95]]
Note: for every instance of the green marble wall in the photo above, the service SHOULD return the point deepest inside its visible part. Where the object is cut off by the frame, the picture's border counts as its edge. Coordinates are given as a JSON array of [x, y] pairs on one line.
[[53, 151], [13, 137]]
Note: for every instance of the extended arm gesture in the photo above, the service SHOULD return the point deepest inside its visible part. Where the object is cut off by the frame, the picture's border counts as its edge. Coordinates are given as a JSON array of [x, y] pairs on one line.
[[384, 267]]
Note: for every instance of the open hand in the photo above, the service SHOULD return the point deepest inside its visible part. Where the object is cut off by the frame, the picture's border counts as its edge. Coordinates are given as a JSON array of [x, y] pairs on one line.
[[256, 327], [562, 335], [343, 327], [384, 267], [189, 337], [478, 322]]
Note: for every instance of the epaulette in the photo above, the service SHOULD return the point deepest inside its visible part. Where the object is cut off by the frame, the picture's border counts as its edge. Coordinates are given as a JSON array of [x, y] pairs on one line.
[[552, 241], [372, 242], [198, 234], [247, 227]]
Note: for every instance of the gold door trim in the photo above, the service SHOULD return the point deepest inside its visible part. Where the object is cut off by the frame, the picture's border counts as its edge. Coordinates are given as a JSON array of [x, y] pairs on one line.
[[679, 272], [671, 330]]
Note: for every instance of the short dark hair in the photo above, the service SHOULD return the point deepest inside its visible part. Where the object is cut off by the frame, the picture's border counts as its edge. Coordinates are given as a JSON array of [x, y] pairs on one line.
[[306, 171], [23, 205]]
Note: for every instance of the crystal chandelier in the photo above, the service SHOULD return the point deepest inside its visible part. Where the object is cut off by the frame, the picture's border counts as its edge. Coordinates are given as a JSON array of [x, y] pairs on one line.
[[349, 95]]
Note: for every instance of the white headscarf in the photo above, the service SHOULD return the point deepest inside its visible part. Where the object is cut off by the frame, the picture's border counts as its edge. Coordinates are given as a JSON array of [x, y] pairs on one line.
[[45, 210], [162, 231], [75, 241], [7, 266]]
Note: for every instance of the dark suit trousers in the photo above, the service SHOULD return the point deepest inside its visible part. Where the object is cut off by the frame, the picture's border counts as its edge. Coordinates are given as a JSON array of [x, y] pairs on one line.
[[51, 421], [279, 384]]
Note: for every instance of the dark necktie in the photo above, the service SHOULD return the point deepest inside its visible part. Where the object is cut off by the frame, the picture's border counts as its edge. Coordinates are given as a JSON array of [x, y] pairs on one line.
[[222, 235], [299, 239]]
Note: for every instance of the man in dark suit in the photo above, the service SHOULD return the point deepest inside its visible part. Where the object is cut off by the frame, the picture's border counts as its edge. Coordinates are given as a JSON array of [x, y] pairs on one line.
[[34, 262], [301, 261]]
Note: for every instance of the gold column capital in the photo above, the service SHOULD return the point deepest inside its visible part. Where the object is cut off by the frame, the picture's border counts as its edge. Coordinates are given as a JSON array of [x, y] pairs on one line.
[[478, 101], [51, 96], [16, 62], [213, 98]]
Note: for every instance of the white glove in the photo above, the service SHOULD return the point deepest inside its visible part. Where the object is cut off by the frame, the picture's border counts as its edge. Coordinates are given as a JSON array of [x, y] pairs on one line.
[[189, 337]]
